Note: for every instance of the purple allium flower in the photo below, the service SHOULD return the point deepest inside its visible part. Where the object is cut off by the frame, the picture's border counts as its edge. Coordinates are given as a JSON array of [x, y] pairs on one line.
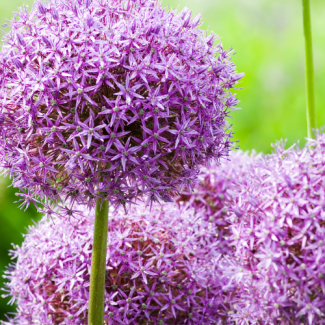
[[156, 274], [216, 206], [274, 230], [280, 235], [214, 200], [123, 96]]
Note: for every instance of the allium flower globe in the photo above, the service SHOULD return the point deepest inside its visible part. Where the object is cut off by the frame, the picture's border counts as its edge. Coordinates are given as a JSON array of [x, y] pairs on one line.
[[111, 99], [270, 216], [280, 239], [214, 200], [217, 209], [156, 274]]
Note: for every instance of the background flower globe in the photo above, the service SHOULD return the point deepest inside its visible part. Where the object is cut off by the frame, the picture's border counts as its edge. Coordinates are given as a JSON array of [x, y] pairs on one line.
[[280, 237], [214, 201], [263, 216], [155, 273], [111, 99]]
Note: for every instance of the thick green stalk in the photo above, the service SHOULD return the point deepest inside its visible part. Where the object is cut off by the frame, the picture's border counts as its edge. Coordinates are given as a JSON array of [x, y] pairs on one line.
[[311, 110], [98, 265]]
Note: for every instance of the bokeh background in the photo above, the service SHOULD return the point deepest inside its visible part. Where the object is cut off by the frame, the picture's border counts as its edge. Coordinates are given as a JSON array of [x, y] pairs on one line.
[[268, 39]]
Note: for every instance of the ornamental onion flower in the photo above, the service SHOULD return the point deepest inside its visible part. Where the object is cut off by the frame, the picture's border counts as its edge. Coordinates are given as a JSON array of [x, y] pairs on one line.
[[155, 273], [214, 200], [111, 99], [280, 239], [273, 228]]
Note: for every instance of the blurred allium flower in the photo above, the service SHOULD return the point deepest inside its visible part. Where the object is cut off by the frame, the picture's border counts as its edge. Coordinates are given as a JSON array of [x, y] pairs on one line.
[[214, 200], [118, 89], [275, 230], [155, 272], [281, 237]]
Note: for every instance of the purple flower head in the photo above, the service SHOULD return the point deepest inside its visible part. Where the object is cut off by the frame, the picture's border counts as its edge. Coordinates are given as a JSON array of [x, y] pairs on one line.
[[280, 236], [264, 216], [214, 200], [155, 274], [115, 91]]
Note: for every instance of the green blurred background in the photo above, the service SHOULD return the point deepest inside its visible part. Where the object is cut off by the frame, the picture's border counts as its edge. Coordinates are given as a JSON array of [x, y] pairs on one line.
[[268, 39]]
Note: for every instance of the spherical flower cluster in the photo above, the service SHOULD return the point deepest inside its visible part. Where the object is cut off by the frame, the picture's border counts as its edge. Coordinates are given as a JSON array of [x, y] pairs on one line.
[[214, 200], [280, 238], [217, 206], [155, 273], [269, 213], [111, 99]]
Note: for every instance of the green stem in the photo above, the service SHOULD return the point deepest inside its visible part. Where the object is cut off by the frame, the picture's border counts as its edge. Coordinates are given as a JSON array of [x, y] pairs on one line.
[[98, 265], [311, 110]]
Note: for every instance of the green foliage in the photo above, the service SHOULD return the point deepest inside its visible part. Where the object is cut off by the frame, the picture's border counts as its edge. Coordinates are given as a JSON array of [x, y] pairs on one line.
[[268, 38]]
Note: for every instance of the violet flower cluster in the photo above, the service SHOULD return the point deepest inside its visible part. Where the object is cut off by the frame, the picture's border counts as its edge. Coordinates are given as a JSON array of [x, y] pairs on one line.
[[213, 199], [279, 235], [269, 214], [155, 272], [111, 98]]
